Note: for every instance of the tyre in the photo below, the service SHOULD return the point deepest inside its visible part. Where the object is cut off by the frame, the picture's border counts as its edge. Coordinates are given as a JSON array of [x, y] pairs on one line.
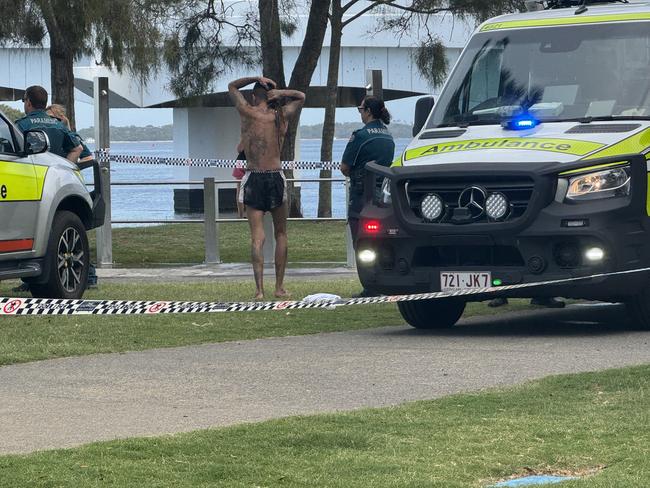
[[639, 310], [432, 314], [67, 259]]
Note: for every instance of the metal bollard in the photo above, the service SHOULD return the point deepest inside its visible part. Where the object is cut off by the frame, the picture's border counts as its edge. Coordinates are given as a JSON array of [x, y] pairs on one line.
[[351, 258], [209, 222], [104, 234]]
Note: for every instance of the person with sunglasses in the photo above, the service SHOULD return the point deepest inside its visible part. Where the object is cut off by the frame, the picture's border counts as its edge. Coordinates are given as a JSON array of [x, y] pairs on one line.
[[373, 142]]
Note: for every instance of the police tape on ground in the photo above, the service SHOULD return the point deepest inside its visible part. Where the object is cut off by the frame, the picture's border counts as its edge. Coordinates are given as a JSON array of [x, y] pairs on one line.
[[46, 306]]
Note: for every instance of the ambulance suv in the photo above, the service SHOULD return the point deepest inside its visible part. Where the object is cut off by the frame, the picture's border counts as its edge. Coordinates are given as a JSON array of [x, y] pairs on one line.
[[45, 212], [530, 167]]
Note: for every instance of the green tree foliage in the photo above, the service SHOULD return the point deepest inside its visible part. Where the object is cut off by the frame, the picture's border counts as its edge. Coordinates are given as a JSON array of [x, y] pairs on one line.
[[420, 16], [11, 113], [134, 133], [121, 34], [208, 39]]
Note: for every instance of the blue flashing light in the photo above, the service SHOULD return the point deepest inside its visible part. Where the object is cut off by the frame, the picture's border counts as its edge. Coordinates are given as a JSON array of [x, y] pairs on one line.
[[521, 122], [526, 123]]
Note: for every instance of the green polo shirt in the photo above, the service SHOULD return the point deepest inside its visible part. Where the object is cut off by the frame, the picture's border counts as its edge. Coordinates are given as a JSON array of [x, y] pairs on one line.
[[62, 140], [373, 142]]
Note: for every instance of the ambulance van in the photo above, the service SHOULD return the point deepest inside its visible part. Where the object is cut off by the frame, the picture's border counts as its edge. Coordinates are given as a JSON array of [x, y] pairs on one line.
[[530, 167]]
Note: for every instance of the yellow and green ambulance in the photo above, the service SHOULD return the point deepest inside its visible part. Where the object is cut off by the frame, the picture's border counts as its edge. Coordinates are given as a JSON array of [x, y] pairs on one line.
[[531, 166]]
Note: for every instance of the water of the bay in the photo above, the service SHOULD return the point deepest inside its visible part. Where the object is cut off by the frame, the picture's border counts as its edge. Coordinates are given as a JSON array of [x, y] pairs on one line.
[[157, 202]]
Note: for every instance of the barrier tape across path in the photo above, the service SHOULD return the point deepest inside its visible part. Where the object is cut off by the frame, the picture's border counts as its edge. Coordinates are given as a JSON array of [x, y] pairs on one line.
[[104, 156], [45, 306]]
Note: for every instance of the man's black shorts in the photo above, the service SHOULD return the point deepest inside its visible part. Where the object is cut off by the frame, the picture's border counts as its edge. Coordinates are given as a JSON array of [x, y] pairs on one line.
[[263, 190]]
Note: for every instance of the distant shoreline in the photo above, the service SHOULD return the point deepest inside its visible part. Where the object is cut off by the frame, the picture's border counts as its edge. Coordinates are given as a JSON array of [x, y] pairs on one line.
[[165, 133], [139, 142]]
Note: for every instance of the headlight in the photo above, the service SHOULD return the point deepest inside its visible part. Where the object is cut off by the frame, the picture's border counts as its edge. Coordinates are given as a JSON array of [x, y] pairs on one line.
[[386, 199], [613, 182]]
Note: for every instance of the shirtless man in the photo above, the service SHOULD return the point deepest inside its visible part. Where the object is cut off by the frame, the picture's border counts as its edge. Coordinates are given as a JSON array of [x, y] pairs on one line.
[[263, 187]]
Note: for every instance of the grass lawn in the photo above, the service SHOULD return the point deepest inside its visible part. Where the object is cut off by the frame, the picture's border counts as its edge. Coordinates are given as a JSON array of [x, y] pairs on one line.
[[594, 423], [31, 338], [184, 243]]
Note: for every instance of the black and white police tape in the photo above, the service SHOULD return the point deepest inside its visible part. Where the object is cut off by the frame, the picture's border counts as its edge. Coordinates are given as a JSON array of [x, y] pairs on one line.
[[46, 306], [104, 156]]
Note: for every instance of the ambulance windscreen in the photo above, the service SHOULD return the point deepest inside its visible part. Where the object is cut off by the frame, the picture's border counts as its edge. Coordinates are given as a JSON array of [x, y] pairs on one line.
[[554, 73]]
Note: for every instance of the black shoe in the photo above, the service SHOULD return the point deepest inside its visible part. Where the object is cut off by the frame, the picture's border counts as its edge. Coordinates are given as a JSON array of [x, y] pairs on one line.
[[498, 302], [24, 287], [548, 302]]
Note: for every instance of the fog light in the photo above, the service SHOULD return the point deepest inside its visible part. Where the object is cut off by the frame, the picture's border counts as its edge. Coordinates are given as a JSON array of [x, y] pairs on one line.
[[431, 207], [595, 254], [537, 264], [496, 206], [367, 256]]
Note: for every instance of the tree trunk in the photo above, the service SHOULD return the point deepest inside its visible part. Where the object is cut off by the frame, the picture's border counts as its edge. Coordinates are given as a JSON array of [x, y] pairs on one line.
[[271, 41], [325, 187], [301, 76], [312, 44], [302, 71], [61, 61]]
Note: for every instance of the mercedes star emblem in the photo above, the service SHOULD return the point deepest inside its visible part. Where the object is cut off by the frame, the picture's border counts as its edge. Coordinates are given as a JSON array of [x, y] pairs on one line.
[[473, 199]]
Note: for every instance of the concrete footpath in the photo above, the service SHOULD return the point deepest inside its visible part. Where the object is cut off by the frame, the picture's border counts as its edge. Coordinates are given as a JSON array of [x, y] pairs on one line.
[[209, 272], [72, 401]]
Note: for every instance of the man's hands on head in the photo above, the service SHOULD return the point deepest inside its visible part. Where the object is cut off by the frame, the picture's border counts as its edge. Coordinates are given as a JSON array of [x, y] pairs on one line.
[[267, 83], [274, 96]]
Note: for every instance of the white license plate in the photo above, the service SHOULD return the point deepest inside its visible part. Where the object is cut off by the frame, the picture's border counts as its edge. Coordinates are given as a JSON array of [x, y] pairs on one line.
[[464, 280]]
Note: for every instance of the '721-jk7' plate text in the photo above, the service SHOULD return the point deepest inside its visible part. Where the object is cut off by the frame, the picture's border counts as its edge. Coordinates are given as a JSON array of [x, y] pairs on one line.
[[464, 280]]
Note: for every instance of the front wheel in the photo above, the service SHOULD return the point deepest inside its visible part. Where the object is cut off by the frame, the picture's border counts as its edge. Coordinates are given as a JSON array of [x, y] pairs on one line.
[[432, 314], [639, 309], [67, 259]]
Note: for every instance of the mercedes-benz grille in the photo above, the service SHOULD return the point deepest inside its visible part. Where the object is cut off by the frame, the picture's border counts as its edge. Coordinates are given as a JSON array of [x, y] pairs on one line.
[[468, 201]]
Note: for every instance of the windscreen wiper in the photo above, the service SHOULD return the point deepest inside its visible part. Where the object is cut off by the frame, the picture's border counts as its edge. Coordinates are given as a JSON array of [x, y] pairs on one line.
[[604, 118]]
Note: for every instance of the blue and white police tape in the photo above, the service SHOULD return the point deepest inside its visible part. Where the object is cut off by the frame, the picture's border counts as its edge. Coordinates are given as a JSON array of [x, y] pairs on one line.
[[46, 306], [104, 156]]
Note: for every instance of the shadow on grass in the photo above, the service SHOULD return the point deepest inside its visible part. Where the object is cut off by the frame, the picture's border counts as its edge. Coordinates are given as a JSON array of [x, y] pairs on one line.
[[574, 320]]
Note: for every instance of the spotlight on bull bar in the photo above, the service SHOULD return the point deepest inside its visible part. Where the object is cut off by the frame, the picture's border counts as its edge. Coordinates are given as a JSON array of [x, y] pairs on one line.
[[497, 206]]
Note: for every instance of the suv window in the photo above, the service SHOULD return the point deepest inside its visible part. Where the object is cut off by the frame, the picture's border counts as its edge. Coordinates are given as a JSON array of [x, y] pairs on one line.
[[6, 139]]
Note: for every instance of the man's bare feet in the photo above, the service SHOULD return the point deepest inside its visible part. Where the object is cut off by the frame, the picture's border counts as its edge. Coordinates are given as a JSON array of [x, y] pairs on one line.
[[282, 293], [259, 295]]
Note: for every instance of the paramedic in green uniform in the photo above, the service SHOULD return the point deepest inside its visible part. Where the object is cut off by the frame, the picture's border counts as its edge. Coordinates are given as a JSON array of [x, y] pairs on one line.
[[62, 141], [58, 111], [374, 143]]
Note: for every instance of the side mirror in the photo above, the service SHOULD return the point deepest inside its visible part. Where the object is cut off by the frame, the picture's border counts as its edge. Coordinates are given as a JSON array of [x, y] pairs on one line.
[[423, 108], [36, 142]]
